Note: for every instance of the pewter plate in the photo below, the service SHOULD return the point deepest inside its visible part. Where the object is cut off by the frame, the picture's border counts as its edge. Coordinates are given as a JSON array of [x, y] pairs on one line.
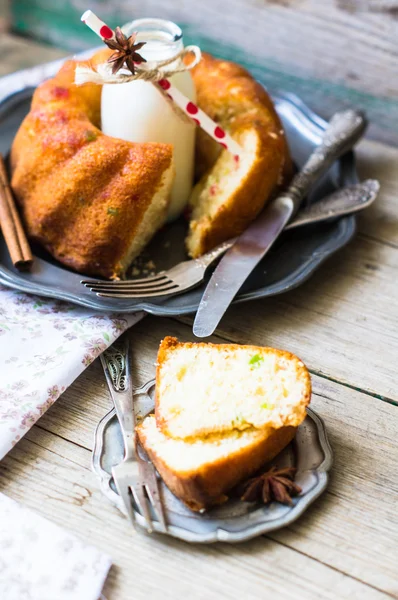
[[292, 260], [235, 521]]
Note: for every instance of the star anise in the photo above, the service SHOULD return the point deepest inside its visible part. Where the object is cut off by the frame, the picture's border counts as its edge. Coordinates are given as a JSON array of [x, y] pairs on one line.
[[274, 485], [126, 51]]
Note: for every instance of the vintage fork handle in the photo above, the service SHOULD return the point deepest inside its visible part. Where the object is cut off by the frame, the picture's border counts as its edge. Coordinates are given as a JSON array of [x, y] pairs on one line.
[[343, 202], [116, 364], [344, 129]]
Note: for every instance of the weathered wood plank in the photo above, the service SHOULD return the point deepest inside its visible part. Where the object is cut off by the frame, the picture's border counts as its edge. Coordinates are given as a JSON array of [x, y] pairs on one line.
[[18, 53], [380, 221], [342, 322], [343, 529], [52, 476], [4, 15], [332, 53]]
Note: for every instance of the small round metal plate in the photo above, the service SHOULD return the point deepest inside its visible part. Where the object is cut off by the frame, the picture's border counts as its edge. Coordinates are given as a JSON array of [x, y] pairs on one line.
[[234, 521]]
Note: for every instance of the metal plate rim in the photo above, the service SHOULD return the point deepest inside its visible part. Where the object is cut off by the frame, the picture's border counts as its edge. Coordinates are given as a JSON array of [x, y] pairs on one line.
[[344, 233], [219, 535], [294, 280]]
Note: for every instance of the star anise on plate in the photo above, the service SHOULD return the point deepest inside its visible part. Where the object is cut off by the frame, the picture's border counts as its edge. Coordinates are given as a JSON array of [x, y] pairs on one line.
[[275, 485], [126, 51]]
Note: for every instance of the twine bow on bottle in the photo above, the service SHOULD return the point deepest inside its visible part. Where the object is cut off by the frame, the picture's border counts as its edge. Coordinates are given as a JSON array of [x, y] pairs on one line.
[[153, 71]]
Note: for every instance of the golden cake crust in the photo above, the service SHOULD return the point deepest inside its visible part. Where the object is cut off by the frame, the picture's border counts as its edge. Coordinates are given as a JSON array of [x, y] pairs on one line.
[[209, 485], [83, 194]]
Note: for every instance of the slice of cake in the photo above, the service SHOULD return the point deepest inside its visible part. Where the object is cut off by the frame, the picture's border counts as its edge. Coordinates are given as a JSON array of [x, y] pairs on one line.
[[204, 389], [232, 191], [230, 196], [222, 412], [202, 471]]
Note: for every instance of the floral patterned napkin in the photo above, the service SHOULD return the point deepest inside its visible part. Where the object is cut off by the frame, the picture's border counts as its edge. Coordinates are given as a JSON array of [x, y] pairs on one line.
[[41, 561], [44, 345]]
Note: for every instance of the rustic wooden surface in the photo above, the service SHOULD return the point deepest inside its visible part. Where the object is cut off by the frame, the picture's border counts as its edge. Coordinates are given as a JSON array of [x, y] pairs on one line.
[[344, 324], [333, 53]]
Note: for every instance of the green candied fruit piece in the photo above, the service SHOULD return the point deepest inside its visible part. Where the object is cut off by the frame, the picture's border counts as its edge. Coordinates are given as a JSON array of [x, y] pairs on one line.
[[266, 406], [238, 420], [91, 136], [256, 361], [113, 211]]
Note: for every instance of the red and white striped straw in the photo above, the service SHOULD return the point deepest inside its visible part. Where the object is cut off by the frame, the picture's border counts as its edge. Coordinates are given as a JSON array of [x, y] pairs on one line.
[[98, 26], [190, 108]]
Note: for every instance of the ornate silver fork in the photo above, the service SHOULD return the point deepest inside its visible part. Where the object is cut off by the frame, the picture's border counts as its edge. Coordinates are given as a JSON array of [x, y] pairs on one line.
[[190, 273], [134, 476]]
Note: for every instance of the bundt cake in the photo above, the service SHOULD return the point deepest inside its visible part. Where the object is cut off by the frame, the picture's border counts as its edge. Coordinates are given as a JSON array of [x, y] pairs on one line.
[[231, 192], [94, 201], [222, 411], [91, 200]]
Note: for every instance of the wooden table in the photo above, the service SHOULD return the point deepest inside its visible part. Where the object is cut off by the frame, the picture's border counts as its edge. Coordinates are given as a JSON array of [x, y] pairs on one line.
[[344, 324], [331, 52]]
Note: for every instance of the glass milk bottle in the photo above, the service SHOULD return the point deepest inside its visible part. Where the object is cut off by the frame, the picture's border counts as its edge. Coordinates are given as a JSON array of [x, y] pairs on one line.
[[136, 111]]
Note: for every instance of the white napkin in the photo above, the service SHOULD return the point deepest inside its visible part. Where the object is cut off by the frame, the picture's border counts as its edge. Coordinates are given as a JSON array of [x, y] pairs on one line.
[[44, 345], [41, 561]]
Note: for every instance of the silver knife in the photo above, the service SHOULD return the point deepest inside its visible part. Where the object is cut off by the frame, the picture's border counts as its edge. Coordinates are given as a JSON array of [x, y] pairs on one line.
[[343, 131]]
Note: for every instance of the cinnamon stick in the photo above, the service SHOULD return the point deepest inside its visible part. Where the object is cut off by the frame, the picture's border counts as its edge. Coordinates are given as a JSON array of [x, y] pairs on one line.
[[11, 225]]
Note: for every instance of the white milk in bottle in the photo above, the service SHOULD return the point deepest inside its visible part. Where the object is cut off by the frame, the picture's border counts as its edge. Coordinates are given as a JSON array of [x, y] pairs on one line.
[[137, 111]]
